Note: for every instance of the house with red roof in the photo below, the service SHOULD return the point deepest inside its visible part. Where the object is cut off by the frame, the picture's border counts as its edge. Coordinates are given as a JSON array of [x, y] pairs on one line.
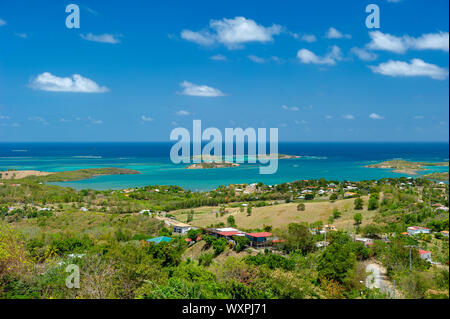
[[414, 230], [259, 239], [425, 254]]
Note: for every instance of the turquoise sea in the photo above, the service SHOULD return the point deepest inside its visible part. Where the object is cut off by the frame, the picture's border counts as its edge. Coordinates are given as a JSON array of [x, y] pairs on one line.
[[332, 161]]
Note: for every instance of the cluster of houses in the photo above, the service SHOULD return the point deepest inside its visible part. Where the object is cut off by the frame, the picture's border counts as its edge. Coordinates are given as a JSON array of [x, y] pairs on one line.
[[257, 240]]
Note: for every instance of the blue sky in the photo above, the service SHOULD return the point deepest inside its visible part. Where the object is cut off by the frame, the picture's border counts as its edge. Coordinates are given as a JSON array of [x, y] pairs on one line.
[[135, 70]]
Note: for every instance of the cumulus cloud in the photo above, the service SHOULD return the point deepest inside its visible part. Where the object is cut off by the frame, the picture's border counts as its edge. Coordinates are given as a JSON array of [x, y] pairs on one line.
[[289, 108], [348, 116], [2, 22], [233, 33], [333, 33], [309, 38], [103, 38], [363, 54], [49, 82], [306, 56], [416, 67], [199, 90], [387, 42], [183, 113], [147, 118], [375, 116]]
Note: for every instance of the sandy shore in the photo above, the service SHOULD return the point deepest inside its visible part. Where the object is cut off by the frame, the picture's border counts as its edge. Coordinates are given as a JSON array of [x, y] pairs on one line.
[[21, 174]]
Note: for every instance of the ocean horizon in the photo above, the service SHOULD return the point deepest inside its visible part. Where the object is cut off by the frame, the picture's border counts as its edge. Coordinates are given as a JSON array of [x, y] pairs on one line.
[[329, 160]]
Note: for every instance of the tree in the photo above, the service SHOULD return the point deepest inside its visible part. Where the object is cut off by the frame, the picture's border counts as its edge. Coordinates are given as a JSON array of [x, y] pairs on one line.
[[333, 197], [249, 210], [241, 242], [190, 216], [373, 201], [219, 245], [358, 219], [231, 222], [193, 234], [338, 261], [309, 196], [358, 203], [301, 207], [298, 237], [336, 213]]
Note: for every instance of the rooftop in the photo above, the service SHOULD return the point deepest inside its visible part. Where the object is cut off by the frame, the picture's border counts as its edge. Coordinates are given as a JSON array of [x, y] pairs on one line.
[[262, 234]]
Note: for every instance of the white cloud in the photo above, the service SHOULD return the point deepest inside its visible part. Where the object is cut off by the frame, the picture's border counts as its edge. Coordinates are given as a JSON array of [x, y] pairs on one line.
[[63, 120], [233, 33], [363, 54], [300, 122], [430, 41], [183, 113], [418, 117], [147, 118], [201, 37], [257, 59], [333, 33], [103, 38], [328, 117], [348, 116], [309, 38], [306, 56], [38, 119], [94, 121], [416, 67], [199, 90], [290, 108], [387, 42], [49, 82], [2, 22], [375, 116], [4, 117], [21, 35], [218, 57]]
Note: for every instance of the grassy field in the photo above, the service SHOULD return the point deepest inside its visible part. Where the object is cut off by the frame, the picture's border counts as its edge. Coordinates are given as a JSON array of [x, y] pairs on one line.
[[95, 224], [281, 215]]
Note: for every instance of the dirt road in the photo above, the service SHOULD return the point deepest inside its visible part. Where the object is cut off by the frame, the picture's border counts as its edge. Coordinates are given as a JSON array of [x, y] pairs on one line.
[[376, 278]]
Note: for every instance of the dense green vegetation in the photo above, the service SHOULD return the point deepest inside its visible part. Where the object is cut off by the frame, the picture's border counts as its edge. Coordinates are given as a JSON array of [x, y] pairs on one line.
[[43, 229]]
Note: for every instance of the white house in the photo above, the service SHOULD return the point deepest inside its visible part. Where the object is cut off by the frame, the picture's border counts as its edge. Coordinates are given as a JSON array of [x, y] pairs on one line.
[[414, 230], [425, 254], [365, 241], [181, 229]]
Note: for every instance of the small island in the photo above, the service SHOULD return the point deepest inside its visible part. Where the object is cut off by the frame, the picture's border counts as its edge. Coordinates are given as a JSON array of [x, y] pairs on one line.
[[406, 167], [66, 175], [212, 165], [438, 176]]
